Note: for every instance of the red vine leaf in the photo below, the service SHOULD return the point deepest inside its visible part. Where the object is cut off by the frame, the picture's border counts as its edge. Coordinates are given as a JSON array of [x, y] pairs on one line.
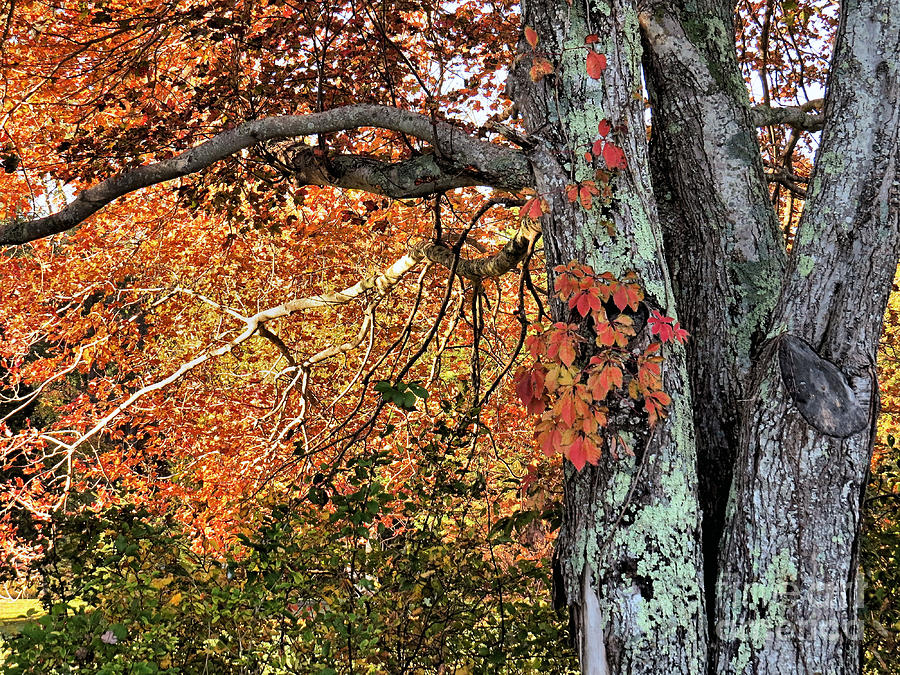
[[540, 68], [614, 156], [534, 208], [596, 64]]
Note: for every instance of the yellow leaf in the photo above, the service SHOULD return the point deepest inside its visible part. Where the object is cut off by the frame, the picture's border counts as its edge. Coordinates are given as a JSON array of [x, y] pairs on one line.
[[161, 583]]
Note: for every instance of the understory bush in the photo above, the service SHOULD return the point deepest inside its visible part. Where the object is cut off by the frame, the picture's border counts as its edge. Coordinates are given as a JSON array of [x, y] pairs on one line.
[[354, 577]]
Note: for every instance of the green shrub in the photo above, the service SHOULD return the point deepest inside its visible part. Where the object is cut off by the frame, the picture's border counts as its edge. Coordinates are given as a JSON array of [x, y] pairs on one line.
[[353, 578]]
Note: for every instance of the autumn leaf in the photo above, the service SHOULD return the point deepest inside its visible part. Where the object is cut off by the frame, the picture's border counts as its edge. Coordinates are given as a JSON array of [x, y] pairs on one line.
[[582, 451], [534, 208], [566, 409], [655, 403], [576, 453], [530, 389], [587, 192], [586, 301], [596, 64], [550, 441], [661, 326], [562, 343], [627, 295], [536, 345], [531, 36], [604, 128], [540, 68], [583, 192], [614, 156]]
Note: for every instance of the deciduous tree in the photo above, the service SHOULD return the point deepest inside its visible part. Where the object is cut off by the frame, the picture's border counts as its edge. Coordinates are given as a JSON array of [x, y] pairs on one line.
[[723, 534]]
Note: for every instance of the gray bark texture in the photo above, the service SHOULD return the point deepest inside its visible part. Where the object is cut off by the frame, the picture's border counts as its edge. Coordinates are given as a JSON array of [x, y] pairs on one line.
[[628, 559], [723, 243], [782, 358], [787, 591]]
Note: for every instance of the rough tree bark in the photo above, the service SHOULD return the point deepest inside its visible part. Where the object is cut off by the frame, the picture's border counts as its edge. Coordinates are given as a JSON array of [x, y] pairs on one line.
[[628, 558], [769, 407], [788, 577]]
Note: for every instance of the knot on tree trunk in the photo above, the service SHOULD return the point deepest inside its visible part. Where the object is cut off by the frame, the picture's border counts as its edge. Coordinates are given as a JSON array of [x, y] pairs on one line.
[[820, 390]]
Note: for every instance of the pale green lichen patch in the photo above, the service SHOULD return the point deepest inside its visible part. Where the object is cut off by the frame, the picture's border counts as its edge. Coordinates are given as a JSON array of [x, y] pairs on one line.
[[770, 597], [633, 48], [759, 282], [806, 264], [602, 7], [831, 163]]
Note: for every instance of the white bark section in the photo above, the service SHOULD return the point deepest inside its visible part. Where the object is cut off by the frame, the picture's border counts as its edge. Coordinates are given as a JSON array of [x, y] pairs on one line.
[[593, 646]]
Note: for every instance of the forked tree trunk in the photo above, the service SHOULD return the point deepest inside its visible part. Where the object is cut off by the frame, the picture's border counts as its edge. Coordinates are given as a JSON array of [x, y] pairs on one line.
[[782, 355], [788, 578]]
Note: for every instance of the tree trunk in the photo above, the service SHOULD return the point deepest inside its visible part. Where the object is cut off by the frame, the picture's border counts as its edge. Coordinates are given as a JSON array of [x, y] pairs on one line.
[[628, 556], [723, 243], [788, 579], [782, 353]]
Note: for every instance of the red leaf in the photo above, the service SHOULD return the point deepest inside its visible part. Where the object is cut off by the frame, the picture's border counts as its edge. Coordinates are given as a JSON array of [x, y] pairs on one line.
[[583, 303], [531, 37], [591, 39], [604, 128], [567, 353], [534, 208], [597, 147], [614, 156], [550, 441], [523, 388], [591, 451], [586, 193], [627, 295], [576, 453], [596, 64], [567, 410], [540, 68], [661, 325]]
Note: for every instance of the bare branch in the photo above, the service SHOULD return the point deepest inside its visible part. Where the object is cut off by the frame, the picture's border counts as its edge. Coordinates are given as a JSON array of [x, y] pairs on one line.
[[799, 117], [482, 163], [382, 284], [493, 266]]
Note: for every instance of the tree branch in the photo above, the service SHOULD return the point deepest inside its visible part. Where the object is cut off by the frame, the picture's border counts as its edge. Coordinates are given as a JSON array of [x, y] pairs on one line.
[[417, 177], [507, 258], [496, 265], [482, 163], [798, 117]]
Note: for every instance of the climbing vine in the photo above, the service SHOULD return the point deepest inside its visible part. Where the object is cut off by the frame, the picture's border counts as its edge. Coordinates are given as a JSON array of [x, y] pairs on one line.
[[589, 375]]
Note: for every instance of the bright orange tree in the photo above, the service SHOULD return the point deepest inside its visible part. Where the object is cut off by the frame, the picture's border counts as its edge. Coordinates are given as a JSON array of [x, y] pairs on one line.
[[214, 211]]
